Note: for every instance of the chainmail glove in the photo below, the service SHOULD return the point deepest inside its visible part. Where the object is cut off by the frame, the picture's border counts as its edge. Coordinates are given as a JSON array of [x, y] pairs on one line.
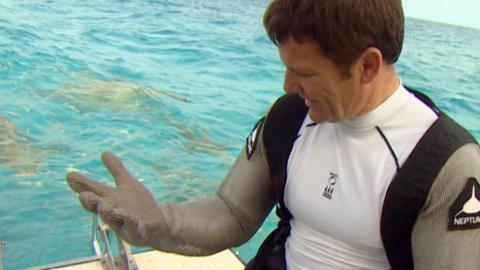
[[128, 208]]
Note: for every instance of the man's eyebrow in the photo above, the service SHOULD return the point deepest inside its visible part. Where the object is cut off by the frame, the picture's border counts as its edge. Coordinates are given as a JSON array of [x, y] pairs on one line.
[[300, 70]]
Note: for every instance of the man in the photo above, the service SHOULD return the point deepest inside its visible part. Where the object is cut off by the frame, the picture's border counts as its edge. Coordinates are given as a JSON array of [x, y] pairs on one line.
[[361, 127]]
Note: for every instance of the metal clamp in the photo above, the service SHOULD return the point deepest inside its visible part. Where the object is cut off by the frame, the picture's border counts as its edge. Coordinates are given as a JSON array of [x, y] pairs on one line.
[[124, 260]]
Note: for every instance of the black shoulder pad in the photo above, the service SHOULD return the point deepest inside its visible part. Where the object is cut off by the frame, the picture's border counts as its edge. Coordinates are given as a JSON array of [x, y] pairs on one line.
[[280, 131]]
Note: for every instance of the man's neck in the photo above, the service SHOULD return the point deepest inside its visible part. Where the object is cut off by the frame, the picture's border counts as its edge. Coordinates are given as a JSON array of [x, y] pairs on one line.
[[383, 87]]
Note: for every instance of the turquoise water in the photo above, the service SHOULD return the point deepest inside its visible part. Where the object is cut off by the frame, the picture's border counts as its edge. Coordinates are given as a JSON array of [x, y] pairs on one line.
[[173, 87]]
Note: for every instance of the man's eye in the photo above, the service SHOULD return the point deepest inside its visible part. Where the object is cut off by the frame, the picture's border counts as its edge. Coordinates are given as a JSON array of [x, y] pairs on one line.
[[305, 75]]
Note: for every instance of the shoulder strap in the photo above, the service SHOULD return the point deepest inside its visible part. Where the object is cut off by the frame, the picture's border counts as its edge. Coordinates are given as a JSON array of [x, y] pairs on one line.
[[409, 189], [280, 132]]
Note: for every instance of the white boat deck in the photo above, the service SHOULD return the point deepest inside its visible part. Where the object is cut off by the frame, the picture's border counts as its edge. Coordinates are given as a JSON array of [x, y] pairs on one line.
[[157, 260]]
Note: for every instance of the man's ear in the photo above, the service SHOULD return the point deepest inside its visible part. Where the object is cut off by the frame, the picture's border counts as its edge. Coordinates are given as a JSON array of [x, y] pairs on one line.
[[369, 64]]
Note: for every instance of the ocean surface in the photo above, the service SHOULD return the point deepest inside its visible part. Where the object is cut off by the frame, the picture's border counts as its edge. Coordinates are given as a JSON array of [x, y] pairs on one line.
[[172, 87]]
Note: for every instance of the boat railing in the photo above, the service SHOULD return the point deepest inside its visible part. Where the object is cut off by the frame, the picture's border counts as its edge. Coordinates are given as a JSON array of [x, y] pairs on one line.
[[102, 237]]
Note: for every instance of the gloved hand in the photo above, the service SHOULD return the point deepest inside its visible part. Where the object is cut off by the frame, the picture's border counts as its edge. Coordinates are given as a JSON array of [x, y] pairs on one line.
[[129, 208]]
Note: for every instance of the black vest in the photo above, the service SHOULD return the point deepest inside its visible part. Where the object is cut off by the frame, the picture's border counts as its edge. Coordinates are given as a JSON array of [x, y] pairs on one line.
[[404, 198]]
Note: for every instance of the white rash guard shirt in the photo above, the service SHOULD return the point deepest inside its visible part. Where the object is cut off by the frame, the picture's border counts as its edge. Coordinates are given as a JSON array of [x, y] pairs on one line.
[[338, 175]]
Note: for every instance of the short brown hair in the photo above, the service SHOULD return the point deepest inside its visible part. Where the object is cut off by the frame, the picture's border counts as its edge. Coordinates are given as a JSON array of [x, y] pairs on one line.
[[342, 28]]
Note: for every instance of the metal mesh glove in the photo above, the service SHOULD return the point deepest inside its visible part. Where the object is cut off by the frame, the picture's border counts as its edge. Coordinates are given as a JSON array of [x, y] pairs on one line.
[[129, 208]]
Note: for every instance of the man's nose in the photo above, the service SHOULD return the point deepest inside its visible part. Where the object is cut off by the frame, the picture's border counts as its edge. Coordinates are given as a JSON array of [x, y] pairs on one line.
[[291, 85]]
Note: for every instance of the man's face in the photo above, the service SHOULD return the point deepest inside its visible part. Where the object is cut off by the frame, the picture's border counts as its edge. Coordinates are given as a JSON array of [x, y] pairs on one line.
[[329, 96]]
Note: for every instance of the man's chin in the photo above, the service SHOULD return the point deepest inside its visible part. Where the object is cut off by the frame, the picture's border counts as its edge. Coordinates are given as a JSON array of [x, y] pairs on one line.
[[318, 118]]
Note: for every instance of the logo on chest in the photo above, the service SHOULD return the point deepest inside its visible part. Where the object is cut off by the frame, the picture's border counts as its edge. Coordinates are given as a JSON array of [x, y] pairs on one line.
[[330, 187]]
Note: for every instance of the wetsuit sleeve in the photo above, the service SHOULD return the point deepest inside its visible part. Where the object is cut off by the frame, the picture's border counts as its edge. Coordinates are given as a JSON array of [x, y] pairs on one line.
[[434, 245], [227, 219]]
